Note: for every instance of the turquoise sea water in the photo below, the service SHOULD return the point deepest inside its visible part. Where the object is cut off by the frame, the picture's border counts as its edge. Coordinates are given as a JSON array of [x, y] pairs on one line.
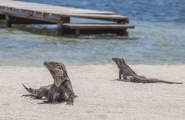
[[159, 37]]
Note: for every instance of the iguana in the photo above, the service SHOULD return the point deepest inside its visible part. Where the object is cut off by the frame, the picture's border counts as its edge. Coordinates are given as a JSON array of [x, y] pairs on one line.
[[130, 76], [61, 84], [60, 90]]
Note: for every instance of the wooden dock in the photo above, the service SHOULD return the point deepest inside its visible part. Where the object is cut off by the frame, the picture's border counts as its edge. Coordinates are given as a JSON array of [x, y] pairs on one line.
[[16, 12]]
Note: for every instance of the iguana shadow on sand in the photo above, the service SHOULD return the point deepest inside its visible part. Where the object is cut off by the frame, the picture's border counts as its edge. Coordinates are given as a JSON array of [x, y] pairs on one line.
[[129, 75], [60, 90]]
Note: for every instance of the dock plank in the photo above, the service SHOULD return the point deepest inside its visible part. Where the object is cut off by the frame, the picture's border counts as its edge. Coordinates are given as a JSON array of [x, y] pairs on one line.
[[102, 17], [44, 7], [96, 26]]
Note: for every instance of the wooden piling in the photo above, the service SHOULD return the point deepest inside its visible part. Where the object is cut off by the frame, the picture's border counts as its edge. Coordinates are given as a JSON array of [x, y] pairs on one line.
[[8, 21]]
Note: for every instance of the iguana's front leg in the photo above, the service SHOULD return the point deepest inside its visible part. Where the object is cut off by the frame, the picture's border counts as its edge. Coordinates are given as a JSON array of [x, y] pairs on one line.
[[50, 94], [70, 101], [120, 72], [69, 90], [50, 98]]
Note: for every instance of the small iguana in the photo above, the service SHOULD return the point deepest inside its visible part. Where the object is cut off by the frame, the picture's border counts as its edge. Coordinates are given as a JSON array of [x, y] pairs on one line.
[[60, 90], [130, 76]]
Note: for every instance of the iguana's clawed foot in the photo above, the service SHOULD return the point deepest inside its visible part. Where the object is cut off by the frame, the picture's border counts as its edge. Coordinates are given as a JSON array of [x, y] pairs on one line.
[[48, 102], [126, 80], [119, 79], [123, 80], [69, 103], [143, 76]]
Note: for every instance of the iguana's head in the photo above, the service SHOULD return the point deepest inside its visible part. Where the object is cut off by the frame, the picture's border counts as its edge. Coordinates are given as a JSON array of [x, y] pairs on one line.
[[56, 69], [118, 61]]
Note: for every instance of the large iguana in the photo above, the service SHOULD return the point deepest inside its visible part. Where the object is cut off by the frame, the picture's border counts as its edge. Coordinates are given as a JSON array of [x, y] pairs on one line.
[[130, 76], [60, 90]]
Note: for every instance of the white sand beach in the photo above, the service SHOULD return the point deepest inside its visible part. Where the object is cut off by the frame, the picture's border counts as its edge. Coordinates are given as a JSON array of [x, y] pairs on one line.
[[100, 95]]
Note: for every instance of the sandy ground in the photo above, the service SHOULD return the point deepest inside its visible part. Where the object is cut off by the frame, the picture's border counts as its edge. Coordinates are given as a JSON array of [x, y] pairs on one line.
[[100, 96]]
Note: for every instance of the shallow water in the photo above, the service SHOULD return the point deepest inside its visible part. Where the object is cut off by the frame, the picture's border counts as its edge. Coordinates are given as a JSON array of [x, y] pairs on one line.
[[159, 37]]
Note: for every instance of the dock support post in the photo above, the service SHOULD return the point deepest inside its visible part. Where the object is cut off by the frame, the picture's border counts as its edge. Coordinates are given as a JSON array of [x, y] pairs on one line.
[[66, 20], [123, 32], [120, 22], [8, 21], [77, 32], [2, 17], [123, 21], [59, 29]]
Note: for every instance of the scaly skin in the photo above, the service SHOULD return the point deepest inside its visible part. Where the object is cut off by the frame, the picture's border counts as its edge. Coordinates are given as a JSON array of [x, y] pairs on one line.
[[38, 93], [43, 92], [129, 75]]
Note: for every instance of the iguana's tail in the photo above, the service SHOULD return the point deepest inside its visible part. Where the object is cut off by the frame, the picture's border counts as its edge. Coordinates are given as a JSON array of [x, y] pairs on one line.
[[153, 80], [31, 90]]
